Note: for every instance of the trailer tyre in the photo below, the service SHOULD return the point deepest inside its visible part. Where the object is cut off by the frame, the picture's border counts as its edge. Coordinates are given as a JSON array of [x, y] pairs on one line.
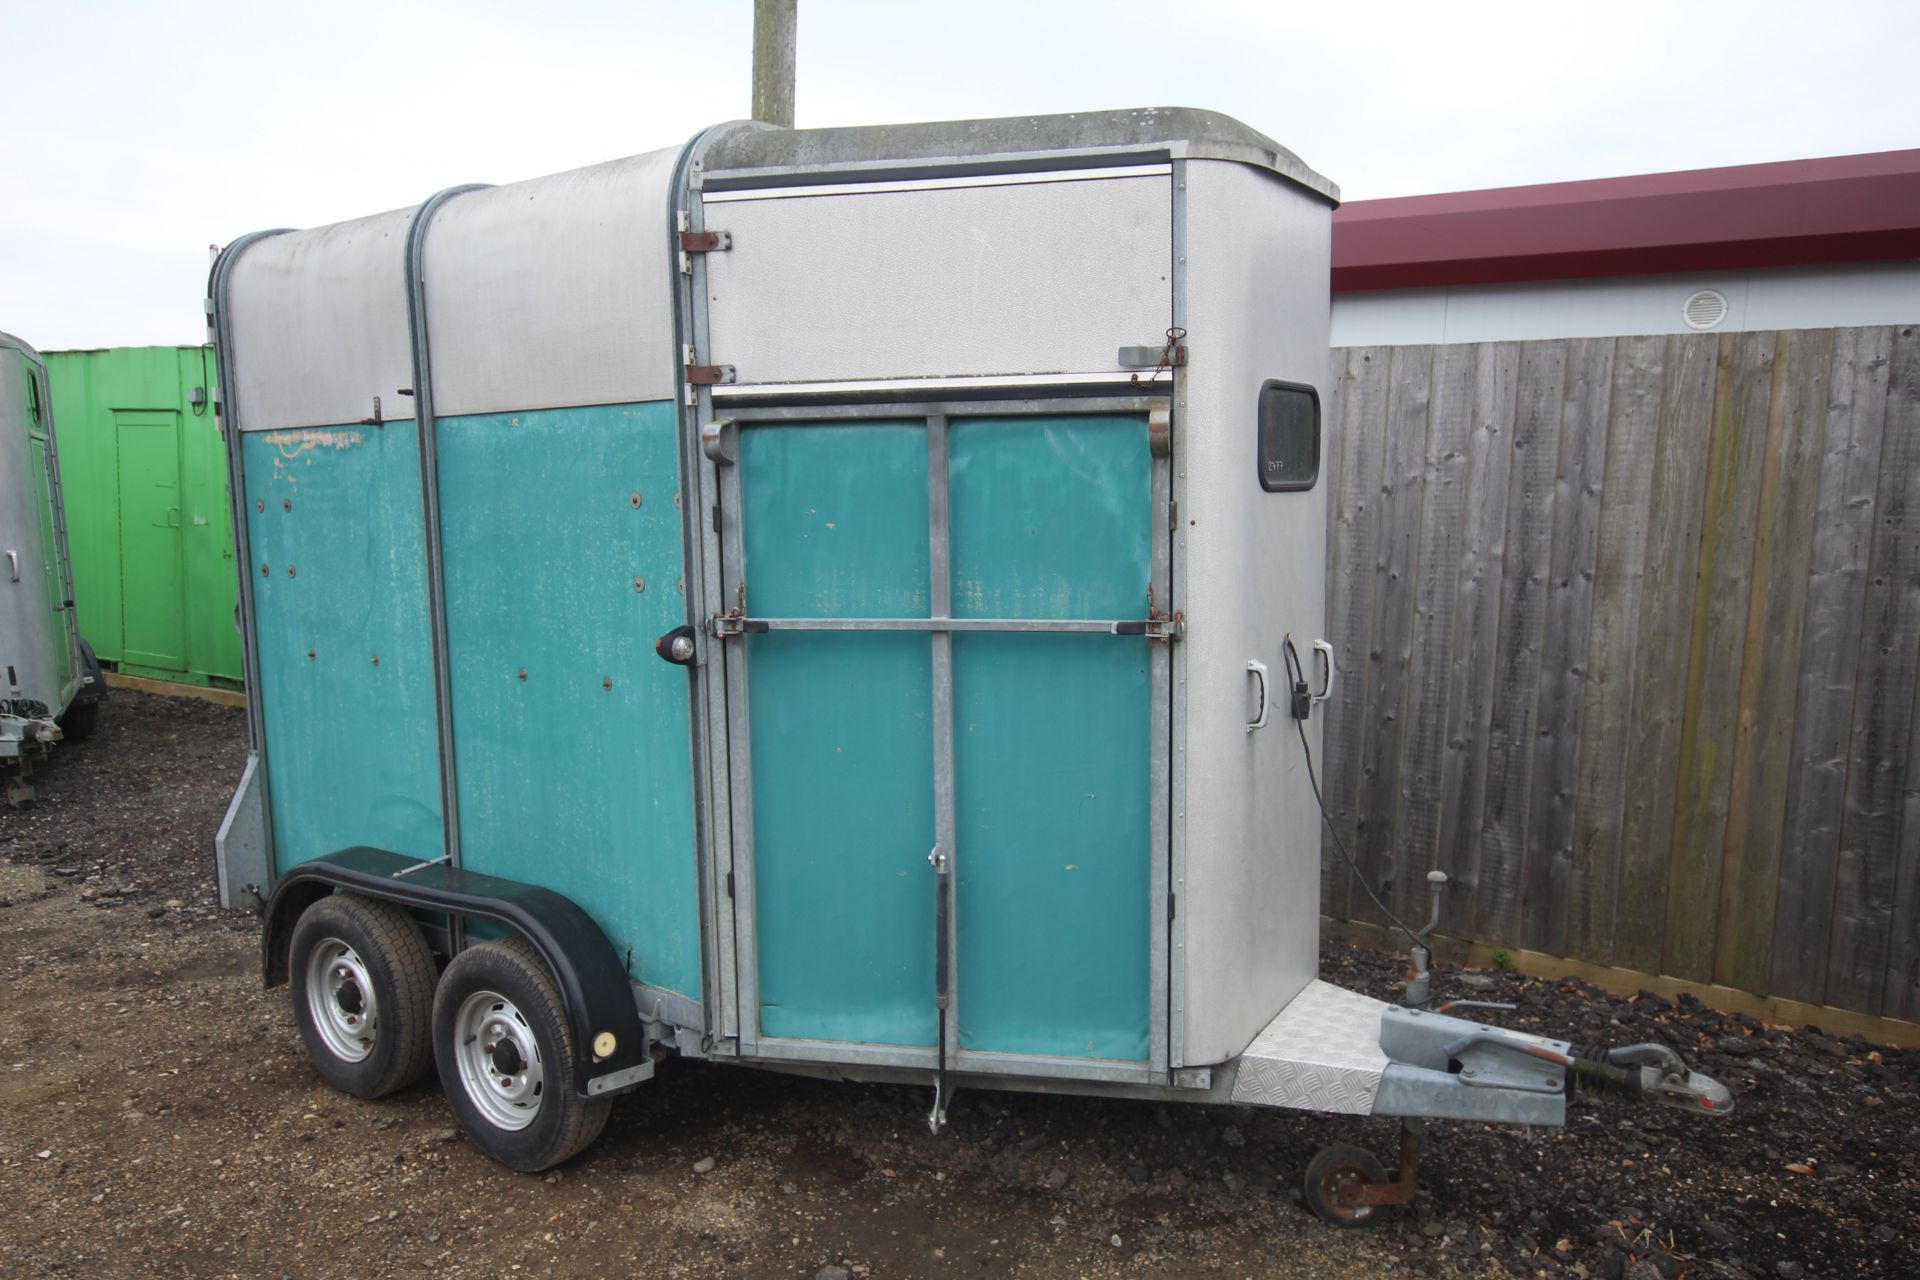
[[79, 721], [504, 1048], [362, 979], [1335, 1167]]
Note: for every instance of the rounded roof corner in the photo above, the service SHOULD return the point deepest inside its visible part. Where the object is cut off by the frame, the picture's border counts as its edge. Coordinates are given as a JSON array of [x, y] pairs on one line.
[[24, 347]]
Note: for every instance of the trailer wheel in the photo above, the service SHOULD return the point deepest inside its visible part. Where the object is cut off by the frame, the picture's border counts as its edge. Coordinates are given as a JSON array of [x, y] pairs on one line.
[[505, 1053], [1339, 1166], [79, 720], [362, 980]]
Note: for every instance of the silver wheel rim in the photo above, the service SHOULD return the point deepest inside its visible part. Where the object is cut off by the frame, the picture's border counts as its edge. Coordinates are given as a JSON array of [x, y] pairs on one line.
[[500, 1064], [341, 1002]]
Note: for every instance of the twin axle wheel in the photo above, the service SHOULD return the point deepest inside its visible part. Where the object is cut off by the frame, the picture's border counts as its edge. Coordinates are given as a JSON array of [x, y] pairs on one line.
[[505, 1050], [374, 1018]]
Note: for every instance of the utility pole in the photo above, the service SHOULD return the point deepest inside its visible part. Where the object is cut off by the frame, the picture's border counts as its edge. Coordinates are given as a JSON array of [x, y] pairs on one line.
[[773, 24]]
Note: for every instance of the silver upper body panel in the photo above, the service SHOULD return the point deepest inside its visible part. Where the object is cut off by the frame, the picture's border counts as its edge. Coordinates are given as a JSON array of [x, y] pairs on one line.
[[554, 292], [318, 324], [888, 281], [558, 291]]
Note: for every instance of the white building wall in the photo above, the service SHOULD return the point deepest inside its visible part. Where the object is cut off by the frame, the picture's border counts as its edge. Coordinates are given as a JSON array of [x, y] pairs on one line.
[[1779, 298]]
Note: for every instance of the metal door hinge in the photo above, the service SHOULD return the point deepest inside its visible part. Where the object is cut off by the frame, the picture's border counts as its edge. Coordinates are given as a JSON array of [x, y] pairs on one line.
[[703, 375], [692, 242]]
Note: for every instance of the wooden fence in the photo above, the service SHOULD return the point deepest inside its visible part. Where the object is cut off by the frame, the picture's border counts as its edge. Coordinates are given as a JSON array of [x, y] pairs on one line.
[[1629, 631]]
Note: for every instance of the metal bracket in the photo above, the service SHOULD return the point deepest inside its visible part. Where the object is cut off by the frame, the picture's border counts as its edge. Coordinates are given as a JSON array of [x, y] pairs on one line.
[[1167, 355], [616, 1080], [715, 443], [441, 861], [707, 375]]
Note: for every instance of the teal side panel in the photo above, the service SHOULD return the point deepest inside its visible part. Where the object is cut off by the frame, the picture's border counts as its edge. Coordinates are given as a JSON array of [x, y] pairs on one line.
[[1052, 518], [835, 525], [561, 549], [340, 605]]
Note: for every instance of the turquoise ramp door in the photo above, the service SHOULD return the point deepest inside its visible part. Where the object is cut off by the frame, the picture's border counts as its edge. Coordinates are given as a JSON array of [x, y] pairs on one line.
[[942, 648]]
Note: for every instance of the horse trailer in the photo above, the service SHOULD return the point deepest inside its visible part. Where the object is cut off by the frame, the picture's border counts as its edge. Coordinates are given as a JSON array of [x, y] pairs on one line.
[[53, 686], [844, 601]]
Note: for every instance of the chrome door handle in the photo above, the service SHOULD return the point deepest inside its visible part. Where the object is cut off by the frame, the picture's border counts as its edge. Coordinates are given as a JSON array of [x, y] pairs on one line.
[[1324, 651], [1259, 669]]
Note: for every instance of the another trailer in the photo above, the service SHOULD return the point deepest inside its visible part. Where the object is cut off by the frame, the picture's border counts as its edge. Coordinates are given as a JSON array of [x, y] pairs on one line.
[[52, 684], [842, 601]]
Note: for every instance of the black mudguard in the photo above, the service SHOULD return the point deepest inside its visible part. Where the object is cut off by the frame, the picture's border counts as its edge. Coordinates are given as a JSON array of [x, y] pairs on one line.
[[93, 688], [592, 979]]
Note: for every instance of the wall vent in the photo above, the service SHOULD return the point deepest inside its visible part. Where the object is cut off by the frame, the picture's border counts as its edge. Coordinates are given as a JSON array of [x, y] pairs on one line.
[[1705, 309]]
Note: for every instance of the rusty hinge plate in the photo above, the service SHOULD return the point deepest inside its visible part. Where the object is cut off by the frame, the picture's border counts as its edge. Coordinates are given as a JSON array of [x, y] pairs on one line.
[[705, 241], [708, 375]]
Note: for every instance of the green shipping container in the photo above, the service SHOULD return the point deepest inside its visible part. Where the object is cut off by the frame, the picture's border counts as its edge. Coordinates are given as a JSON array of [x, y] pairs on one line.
[[145, 476]]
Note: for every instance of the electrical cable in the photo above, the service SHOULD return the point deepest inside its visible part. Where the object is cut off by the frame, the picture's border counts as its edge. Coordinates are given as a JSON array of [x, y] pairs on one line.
[[1300, 725]]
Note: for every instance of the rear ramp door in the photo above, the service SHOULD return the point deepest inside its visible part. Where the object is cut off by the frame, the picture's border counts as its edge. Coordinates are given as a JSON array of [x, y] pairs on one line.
[[944, 644]]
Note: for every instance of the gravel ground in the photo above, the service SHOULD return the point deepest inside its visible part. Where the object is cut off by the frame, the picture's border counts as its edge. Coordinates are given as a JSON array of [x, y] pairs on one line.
[[158, 1118]]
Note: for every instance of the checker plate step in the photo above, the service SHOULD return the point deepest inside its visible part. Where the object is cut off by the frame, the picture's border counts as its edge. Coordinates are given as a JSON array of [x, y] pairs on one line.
[[1321, 1053]]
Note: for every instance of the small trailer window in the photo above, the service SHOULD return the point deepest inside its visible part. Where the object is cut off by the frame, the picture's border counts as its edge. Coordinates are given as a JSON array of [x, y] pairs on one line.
[[1289, 436]]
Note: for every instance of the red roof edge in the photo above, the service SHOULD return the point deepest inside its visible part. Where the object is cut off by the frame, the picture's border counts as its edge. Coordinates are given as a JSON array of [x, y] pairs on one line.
[[1795, 213]]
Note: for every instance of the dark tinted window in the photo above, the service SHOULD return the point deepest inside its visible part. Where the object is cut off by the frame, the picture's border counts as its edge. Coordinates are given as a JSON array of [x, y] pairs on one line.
[[1289, 455]]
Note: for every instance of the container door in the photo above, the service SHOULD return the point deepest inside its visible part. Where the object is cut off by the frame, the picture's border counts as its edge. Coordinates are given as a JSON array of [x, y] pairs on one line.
[[148, 443], [945, 648]]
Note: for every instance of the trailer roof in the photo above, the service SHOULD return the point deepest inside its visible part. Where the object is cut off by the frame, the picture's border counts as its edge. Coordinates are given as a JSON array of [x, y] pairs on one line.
[[25, 349], [767, 156]]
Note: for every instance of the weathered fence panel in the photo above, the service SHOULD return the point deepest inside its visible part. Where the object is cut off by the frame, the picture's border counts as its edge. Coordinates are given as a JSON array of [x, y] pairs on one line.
[[1629, 631]]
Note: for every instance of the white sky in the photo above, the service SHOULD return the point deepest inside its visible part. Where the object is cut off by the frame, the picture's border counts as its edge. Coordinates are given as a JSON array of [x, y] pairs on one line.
[[139, 133]]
